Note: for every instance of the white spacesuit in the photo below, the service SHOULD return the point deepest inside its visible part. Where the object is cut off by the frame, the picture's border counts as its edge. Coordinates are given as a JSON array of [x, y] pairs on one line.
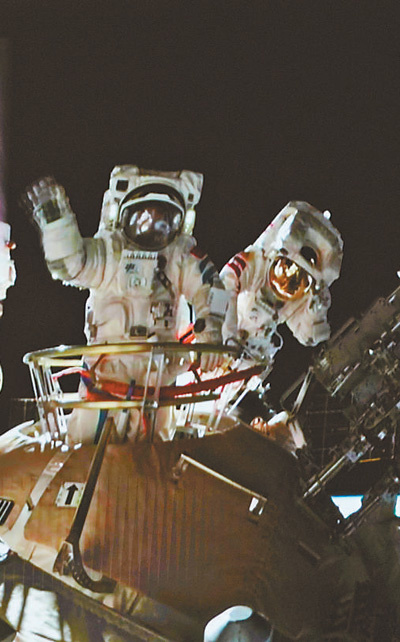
[[139, 267], [283, 277]]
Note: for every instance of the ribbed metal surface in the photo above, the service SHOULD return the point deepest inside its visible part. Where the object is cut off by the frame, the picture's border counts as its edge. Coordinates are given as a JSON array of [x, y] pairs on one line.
[[6, 506], [193, 544]]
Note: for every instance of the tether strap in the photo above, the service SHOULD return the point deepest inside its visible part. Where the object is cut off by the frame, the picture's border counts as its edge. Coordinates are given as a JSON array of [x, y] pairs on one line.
[[118, 390], [71, 544]]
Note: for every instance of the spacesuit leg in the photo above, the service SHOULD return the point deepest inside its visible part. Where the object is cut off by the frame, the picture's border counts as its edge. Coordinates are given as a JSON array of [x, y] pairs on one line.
[[83, 426], [140, 428], [164, 427]]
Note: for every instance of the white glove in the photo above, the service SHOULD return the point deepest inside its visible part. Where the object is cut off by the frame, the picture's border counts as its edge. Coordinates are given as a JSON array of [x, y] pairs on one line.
[[47, 202], [209, 360], [49, 206]]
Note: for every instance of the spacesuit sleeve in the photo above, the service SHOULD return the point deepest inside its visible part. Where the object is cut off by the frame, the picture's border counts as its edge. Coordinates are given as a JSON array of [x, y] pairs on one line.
[[240, 274], [203, 288], [309, 323], [72, 259], [69, 257]]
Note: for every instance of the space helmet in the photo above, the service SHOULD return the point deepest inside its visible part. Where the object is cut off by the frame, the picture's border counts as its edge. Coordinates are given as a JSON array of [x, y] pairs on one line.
[[151, 207], [304, 251]]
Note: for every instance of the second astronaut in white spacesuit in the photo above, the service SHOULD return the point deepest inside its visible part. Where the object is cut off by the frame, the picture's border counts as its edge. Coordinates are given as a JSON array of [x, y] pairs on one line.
[[140, 264], [283, 277]]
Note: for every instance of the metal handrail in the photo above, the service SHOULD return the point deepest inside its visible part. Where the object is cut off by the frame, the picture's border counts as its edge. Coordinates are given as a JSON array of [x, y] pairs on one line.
[[54, 356], [52, 400]]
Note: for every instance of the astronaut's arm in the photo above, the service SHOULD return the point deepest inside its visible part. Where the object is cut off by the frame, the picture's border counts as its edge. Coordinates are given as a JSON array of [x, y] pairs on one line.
[[69, 257], [238, 275], [240, 272], [204, 289], [309, 324]]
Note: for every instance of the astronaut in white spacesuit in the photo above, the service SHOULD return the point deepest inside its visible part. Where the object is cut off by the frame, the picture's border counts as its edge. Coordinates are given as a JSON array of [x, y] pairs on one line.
[[283, 277], [139, 267]]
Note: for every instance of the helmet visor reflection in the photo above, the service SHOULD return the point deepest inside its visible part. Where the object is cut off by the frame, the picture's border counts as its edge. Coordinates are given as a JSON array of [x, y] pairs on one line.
[[288, 280], [151, 225]]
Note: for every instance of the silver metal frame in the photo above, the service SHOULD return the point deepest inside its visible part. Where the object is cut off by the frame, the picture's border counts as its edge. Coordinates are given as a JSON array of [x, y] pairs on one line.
[[52, 401]]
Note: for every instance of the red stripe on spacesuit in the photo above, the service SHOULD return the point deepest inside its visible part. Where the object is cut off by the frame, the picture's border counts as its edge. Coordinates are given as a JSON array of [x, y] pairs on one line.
[[239, 259], [188, 336], [235, 268]]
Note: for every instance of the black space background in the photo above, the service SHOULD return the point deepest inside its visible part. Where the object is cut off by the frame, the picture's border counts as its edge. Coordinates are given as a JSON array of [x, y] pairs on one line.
[[271, 100]]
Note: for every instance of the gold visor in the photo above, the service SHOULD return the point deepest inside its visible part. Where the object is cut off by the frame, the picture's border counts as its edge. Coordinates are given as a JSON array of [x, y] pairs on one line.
[[288, 280]]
